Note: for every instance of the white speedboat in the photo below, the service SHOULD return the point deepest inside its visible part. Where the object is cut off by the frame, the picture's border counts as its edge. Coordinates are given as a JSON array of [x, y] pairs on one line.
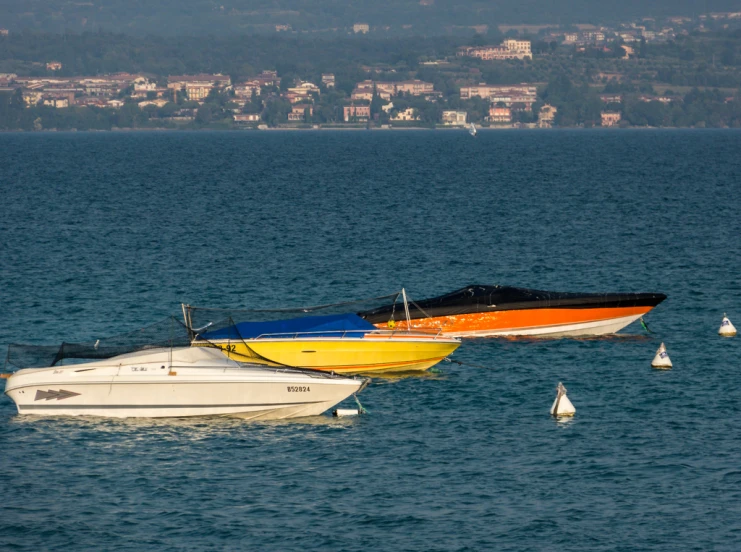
[[185, 381]]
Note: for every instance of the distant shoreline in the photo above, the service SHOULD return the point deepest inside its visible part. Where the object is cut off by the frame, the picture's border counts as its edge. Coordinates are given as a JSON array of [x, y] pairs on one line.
[[352, 129]]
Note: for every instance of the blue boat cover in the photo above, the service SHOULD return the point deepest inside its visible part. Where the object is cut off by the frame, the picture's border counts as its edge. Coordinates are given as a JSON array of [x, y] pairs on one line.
[[285, 328]]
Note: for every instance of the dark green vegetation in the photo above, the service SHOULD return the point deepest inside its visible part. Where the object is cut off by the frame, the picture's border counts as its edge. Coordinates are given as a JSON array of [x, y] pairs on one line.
[[242, 56], [388, 17]]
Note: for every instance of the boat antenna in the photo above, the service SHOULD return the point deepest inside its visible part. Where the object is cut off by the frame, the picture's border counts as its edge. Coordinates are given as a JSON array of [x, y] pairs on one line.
[[406, 308]]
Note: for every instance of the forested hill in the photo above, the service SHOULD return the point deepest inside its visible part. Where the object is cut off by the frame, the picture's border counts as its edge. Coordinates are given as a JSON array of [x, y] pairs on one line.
[[425, 17]]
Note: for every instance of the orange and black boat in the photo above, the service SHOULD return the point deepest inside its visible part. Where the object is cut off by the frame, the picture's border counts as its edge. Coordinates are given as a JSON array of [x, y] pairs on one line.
[[484, 311]]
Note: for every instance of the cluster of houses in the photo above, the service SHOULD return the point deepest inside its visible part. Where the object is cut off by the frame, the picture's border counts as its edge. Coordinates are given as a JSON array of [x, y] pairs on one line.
[[648, 30], [60, 92], [114, 91], [509, 49]]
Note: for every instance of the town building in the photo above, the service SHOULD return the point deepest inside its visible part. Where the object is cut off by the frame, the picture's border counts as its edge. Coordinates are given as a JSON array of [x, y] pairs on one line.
[[54, 66], [244, 90], [55, 102], [182, 116], [454, 118], [197, 87], [106, 86], [155, 103], [409, 114], [328, 80], [89, 101], [414, 87], [547, 116], [519, 98], [366, 94], [360, 28], [59, 97], [246, 118], [294, 98], [32, 97], [304, 89], [500, 115], [267, 78], [648, 98], [4, 32], [628, 37], [509, 49], [299, 112], [610, 118], [282, 28], [385, 90], [144, 88], [519, 46], [611, 98], [358, 113], [594, 37]]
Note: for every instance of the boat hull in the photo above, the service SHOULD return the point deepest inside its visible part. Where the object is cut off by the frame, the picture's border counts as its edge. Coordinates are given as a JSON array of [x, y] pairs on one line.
[[153, 390], [535, 322], [345, 355], [266, 402], [490, 311]]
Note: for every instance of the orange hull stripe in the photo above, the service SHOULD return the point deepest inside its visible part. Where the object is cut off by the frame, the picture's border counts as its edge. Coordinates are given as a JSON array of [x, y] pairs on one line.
[[378, 366], [519, 319]]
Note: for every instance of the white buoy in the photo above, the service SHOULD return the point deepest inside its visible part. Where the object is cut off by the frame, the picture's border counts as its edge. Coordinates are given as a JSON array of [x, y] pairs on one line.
[[342, 412], [562, 405], [661, 360], [726, 328]]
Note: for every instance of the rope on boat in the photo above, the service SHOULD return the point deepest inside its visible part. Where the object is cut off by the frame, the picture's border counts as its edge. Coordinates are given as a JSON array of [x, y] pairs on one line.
[[361, 409], [645, 326], [419, 308]]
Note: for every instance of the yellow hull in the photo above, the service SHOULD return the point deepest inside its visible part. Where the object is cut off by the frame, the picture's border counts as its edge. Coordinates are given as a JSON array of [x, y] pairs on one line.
[[343, 356]]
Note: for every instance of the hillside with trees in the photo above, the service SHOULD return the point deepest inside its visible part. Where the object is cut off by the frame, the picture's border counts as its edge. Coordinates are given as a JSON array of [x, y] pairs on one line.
[[387, 17]]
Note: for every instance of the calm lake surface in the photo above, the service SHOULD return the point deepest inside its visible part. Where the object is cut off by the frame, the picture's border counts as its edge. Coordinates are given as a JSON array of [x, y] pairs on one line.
[[105, 233]]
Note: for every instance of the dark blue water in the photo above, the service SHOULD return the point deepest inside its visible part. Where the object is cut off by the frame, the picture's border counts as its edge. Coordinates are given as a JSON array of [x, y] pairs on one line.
[[104, 233]]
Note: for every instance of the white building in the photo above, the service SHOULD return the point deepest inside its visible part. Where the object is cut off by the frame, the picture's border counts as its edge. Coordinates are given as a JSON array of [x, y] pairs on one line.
[[454, 118], [409, 114], [519, 46], [509, 49]]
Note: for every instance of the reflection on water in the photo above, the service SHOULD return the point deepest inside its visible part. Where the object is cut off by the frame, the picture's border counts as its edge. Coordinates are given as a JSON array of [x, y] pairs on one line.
[[118, 431]]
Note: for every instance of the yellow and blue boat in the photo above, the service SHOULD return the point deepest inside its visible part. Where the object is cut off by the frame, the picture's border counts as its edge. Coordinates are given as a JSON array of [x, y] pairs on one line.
[[343, 343]]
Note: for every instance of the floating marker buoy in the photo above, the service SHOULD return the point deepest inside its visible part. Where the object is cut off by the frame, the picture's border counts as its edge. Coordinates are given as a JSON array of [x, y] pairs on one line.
[[661, 360], [562, 405], [726, 328], [342, 412]]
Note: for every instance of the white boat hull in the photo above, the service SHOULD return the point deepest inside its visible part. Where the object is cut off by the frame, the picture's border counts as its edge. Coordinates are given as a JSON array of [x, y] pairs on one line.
[[156, 390], [580, 329]]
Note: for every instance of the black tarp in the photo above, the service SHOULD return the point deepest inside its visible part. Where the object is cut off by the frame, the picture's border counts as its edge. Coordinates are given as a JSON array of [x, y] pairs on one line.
[[477, 298]]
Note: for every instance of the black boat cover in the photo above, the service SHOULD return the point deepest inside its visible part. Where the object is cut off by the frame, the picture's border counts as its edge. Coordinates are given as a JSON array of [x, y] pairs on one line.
[[477, 298]]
